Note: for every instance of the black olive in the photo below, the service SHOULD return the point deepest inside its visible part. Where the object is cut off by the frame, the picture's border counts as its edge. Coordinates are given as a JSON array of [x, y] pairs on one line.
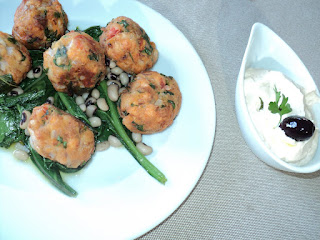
[[297, 128]]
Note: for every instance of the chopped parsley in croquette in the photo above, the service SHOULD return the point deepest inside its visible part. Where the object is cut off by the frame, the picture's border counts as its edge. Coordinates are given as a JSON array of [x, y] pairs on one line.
[[150, 103], [125, 42], [38, 23], [75, 63], [60, 137], [15, 61]]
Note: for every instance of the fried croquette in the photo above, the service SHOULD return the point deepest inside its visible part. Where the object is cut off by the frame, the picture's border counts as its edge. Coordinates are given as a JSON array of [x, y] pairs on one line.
[[126, 43], [14, 58], [75, 63], [38, 23], [150, 103], [59, 136]]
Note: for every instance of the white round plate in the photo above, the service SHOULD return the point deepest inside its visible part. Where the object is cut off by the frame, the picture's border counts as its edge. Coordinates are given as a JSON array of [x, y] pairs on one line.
[[117, 199]]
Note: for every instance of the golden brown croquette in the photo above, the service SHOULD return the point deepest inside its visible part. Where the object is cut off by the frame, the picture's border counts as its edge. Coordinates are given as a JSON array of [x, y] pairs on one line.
[[150, 103], [126, 43], [75, 63], [59, 136], [14, 58], [37, 23]]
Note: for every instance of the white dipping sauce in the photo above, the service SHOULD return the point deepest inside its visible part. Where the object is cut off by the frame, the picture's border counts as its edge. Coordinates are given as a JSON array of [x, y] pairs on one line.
[[260, 83]]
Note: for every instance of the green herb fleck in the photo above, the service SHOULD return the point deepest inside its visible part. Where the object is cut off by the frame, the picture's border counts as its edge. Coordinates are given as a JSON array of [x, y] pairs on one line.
[[283, 108], [32, 40], [57, 14], [261, 104], [125, 24], [51, 35], [60, 140], [12, 39], [93, 56], [167, 81], [61, 53], [168, 92], [152, 85], [99, 75], [147, 50], [172, 103], [131, 56], [23, 56], [137, 126]]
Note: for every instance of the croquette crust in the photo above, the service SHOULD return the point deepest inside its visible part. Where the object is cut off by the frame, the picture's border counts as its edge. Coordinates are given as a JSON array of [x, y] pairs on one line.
[[150, 103], [37, 23], [125, 42], [14, 58], [75, 63], [59, 136]]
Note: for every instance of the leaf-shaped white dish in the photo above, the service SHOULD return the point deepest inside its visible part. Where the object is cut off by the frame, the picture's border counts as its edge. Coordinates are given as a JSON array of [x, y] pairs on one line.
[[266, 50]]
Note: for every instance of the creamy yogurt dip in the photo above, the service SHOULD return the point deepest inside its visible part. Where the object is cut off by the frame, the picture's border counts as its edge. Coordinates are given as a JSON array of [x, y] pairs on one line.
[[259, 89]]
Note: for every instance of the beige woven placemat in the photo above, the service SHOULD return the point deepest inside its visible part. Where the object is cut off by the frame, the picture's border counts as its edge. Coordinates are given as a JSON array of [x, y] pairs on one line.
[[238, 196]]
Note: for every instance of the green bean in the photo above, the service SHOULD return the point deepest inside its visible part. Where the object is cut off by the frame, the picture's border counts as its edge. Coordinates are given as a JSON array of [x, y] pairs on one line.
[[112, 116], [72, 107], [52, 173], [10, 101]]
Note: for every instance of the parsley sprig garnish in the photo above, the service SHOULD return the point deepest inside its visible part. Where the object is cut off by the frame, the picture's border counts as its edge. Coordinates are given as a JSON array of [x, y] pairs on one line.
[[283, 108]]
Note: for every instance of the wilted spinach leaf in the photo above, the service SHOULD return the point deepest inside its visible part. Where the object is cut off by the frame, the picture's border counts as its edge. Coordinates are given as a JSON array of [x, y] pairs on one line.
[[37, 57], [6, 83], [10, 131], [94, 32]]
